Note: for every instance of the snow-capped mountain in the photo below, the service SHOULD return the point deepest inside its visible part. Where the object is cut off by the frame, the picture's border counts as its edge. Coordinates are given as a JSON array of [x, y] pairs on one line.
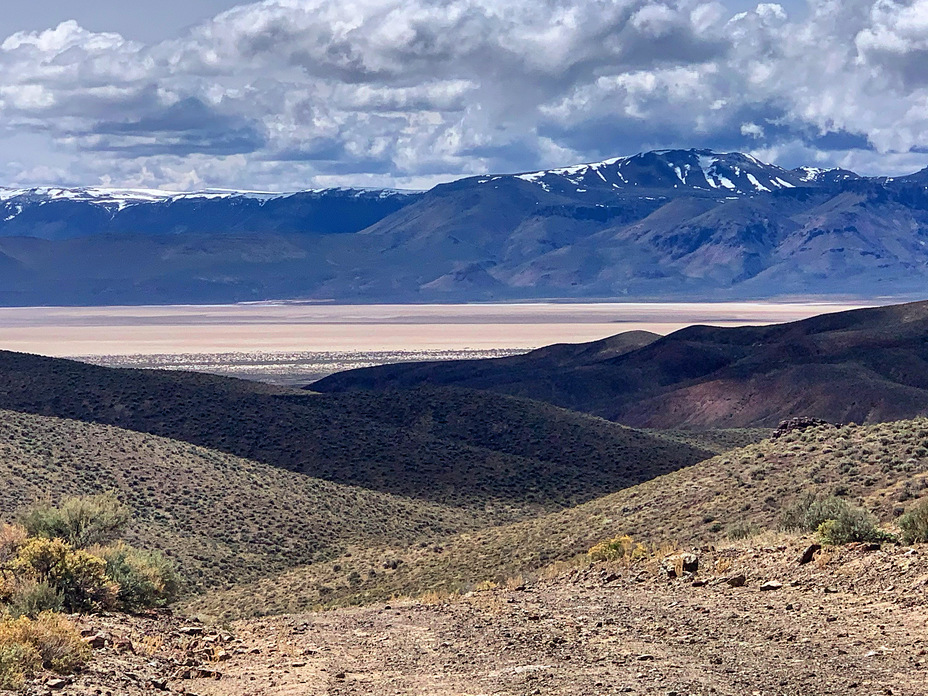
[[56, 212], [658, 225], [693, 171]]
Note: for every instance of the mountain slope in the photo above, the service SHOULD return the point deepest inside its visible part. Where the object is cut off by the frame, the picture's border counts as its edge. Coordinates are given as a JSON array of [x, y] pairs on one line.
[[506, 455], [884, 467], [223, 519], [669, 224], [864, 365]]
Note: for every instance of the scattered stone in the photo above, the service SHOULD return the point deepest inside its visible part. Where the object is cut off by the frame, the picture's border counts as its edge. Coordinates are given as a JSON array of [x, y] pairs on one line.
[[738, 580], [771, 585]]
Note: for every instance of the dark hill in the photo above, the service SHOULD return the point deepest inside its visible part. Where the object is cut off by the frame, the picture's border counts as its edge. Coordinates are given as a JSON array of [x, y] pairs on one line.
[[454, 446], [860, 366]]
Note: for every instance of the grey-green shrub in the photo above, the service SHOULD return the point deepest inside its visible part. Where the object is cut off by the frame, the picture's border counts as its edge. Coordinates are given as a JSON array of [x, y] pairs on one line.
[[146, 579], [852, 524], [80, 521], [914, 524]]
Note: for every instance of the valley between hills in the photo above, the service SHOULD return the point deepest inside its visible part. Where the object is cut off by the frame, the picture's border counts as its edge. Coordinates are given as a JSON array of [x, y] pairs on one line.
[[716, 511]]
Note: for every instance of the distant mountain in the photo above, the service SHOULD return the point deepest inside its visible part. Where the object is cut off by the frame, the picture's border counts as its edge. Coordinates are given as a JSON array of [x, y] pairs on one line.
[[65, 213], [861, 366], [669, 224]]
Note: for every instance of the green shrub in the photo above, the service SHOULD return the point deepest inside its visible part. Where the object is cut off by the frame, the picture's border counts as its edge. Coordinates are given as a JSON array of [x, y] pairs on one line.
[[852, 524], [31, 598], [809, 512], [914, 524], [742, 530], [80, 521], [834, 520], [146, 579], [79, 576]]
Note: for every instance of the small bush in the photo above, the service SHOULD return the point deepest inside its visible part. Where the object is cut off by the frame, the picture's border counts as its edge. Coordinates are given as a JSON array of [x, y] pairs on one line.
[[835, 521], [80, 521], [79, 576], [146, 579], [809, 512], [26, 645], [17, 661], [31, 598], [743, 530], [914, 524], [852, 524], [622, 548]]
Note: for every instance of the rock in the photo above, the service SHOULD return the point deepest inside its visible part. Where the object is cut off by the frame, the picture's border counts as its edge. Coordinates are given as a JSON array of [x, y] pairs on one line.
[[738, 580], [341, 676], [97, 641], [771, 585], [191, 630], [56, 684], [809, 553], [160, 684], [700, 583], [690, 562], [792, 424]]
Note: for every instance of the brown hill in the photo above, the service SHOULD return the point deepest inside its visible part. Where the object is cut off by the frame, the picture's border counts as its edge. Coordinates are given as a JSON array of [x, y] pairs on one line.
[[860, 366], [455, 446], [884, 467], [224, 519]]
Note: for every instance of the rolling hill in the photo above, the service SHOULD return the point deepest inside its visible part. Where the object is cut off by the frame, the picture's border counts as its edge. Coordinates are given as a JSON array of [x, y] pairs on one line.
[[223, 519], [883, 466], [509, 456], [860, 366]]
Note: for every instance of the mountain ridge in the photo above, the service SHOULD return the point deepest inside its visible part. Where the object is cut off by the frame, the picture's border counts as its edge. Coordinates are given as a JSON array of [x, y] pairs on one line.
[[666, 224], [862, 365]]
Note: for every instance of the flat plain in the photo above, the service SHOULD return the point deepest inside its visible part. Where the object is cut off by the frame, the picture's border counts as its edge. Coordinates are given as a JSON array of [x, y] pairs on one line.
[[294, 342]]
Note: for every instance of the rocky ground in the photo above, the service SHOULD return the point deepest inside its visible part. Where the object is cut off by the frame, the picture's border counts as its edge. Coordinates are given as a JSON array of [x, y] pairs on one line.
[[751, 620]]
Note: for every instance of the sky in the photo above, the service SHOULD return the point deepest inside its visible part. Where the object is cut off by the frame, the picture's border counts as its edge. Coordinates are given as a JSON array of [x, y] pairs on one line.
[[292, 94]]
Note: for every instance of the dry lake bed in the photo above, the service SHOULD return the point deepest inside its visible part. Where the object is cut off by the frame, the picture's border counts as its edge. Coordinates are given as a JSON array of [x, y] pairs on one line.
[[296, 343]]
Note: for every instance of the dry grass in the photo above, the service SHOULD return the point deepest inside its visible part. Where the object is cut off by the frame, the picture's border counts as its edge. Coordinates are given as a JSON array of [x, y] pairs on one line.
[[27, 645]]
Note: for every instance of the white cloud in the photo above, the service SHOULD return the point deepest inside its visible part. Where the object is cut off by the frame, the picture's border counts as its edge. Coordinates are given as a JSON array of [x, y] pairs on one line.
[[292, 93]]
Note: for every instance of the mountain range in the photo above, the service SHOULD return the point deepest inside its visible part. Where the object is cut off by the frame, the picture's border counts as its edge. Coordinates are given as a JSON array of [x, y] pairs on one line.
[[667, 224]]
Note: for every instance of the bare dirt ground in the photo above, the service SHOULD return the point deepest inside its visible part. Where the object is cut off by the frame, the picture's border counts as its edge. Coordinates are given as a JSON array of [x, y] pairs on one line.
[[849, 622]]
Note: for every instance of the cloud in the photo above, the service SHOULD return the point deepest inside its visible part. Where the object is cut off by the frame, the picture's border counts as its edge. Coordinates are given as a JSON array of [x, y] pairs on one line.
[[294, 93]]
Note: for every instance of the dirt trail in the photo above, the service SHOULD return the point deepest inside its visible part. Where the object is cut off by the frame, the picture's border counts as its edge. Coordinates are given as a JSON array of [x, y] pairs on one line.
[[584, 635], [851, 622]]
